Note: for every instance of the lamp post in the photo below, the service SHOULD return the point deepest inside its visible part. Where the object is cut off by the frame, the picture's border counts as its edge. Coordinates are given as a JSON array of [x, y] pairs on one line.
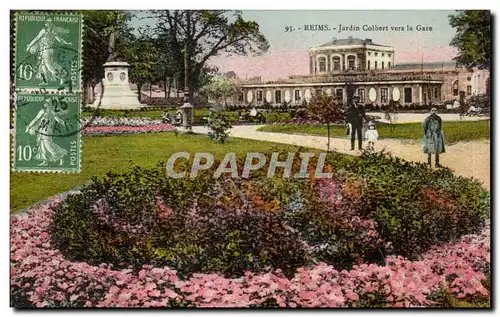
[[187, 107]]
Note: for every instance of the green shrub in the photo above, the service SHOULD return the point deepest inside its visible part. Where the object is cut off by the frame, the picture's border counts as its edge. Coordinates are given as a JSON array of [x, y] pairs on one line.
[[374, 206], [204, 233], [219, 126], [414, 206]]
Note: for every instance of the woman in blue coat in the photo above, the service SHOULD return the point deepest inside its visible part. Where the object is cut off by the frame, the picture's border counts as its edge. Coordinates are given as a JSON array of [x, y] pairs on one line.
[[433, 136]]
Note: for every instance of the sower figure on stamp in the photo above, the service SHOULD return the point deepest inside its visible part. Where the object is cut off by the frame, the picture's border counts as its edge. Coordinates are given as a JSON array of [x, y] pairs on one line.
[[43, 126], [433, 141], [354, 116], [44, 47]]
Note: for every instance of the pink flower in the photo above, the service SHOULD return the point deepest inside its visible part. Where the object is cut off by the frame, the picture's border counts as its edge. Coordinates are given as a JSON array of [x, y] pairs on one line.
[[150, 286], [308, 295], [352, 296]]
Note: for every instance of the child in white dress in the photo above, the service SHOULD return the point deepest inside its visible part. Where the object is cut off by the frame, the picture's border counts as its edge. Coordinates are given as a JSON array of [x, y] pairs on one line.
[[371, 135]]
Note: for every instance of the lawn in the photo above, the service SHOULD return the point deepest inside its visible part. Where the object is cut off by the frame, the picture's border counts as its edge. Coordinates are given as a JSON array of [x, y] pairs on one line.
[[102, 154], [453, 131]]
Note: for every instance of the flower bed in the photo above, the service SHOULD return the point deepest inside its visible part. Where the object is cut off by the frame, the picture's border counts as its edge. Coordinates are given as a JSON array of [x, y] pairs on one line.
[[120, 121], [128, 129], [42, 277], [380, 232], [107, 125]]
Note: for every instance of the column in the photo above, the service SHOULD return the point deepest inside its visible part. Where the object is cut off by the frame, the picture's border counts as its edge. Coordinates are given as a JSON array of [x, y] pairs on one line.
[[342, 62], [328, 62], [420, 94], [478, 84]]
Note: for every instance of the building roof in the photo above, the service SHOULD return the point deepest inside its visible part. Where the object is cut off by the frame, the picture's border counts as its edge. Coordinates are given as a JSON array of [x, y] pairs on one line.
[[435, 65], [351, 41]]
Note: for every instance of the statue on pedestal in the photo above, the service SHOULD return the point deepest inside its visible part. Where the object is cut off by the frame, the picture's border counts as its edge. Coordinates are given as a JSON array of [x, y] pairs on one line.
[[112, 57], [117, 93]]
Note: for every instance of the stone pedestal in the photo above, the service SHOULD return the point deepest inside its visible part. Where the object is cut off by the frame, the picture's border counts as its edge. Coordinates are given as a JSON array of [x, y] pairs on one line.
[[187, 117], [117, 93]]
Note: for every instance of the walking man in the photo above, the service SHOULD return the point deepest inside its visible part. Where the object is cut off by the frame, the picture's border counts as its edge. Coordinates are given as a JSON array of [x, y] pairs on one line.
[[355, 115], [433, 136]]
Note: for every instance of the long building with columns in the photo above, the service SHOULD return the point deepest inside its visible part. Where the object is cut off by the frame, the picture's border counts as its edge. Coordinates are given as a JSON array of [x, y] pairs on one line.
[[370, 68]]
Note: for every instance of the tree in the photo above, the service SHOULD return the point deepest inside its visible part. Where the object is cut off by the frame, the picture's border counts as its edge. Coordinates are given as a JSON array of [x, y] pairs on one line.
[[206, 34], [472, 38], [221, 87], [326, 109], [142, 55]]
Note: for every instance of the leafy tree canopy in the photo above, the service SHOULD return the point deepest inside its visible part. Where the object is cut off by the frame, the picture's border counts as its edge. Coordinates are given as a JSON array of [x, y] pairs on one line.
[[206, 34], [221, 87], [472, 38]]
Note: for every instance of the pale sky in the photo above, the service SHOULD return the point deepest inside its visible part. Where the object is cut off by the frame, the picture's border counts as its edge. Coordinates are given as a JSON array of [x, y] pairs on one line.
[[288, 55]]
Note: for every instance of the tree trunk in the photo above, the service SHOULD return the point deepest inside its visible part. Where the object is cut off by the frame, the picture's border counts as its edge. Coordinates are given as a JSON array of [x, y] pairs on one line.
[[169, 88], [86, 93], [139, 85], [328, 143]]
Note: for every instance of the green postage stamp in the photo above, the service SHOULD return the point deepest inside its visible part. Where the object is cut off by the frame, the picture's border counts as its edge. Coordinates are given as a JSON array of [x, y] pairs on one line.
[[47, 136], [47, 72], [48, 51]]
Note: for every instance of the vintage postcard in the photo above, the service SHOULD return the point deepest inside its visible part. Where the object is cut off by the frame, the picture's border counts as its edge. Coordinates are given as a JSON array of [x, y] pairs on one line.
[[251, 159]]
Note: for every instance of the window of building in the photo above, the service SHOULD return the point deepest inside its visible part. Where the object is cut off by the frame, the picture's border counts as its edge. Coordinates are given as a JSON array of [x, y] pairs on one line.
[[240, 98], [389, 55], [436, 92], [455, 88], [376, 54], [388, 64], [369, 53], [259, 96], [408, 95], [384, 94], [339, 93], [361, 95], [383, 54], [469, 90], [297, 95], [277, 96], [376, 64], [369, 66], [322, 64], [351, 62], [336, 63], [319, 91], [382, 65]]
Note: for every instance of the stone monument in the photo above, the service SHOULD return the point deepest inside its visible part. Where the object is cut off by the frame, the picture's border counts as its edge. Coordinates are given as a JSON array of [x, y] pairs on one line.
[[116, 92]]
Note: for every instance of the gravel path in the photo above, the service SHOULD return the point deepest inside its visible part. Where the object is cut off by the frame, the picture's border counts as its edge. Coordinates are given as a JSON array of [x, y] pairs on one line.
[[469, 159]]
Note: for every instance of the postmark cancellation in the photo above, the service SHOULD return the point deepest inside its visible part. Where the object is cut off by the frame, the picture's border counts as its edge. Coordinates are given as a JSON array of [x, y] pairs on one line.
[[47, 133], [48, 52]]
